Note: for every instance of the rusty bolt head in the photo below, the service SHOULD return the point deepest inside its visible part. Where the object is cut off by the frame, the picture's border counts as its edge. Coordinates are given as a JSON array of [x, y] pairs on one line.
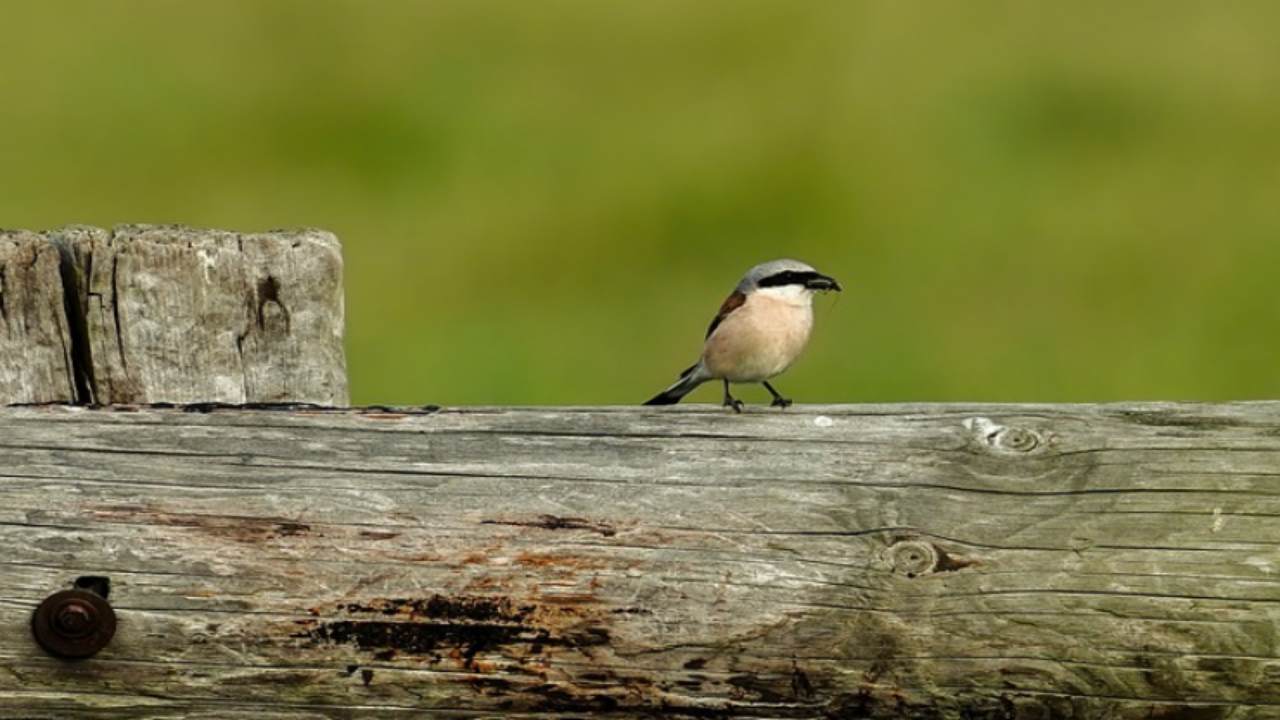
[[75, 618], [73, 623]]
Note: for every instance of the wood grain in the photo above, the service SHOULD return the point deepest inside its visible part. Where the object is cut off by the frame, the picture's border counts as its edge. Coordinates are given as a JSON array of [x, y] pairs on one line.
[[179, 315], [821, 562], [35, 342]]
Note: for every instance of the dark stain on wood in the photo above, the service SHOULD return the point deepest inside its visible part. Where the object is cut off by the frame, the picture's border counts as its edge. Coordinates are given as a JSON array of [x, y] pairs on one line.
[[387, 412], [1170, 419], [288, 528], [568, 599], [548, 560], [241, 528], [755, 688], [558, 698], [440, 607], [419, 638], [461, 627], [491, 685], [1189, 712], [300, 408], [800, 686], [269, 292], [869, 702], [554, 522]]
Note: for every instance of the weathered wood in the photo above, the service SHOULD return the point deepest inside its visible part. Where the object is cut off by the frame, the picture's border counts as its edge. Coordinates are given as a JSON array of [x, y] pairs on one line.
[[35, 343], [179, 315], [869, 561]]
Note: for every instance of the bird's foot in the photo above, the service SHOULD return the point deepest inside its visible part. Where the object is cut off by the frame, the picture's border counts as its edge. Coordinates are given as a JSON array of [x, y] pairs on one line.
[[778, 400], [734, 403]]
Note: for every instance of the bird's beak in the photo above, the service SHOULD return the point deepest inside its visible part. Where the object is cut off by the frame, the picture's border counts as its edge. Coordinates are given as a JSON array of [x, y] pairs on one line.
[[822, 282]]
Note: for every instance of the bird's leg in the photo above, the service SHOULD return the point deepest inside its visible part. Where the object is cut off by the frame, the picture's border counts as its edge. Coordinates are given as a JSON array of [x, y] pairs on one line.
[[778, 400], [731, 401]]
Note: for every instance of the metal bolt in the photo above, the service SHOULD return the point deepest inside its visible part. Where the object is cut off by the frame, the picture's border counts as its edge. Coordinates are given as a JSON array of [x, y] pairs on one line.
[[73, 623], [75, 618]]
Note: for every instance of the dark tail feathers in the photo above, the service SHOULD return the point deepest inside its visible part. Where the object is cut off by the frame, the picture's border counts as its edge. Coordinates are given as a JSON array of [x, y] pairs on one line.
[[683, 386]]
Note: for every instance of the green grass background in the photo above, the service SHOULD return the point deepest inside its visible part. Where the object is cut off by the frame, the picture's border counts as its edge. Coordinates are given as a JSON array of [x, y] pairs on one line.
[[545, 201]]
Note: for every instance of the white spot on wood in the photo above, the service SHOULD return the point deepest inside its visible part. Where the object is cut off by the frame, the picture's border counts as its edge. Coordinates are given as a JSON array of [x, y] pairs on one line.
[[209, 261], [1262, 563], [984, 427], [823, 421], [1005, 439], [228, 387], [1218, 520]]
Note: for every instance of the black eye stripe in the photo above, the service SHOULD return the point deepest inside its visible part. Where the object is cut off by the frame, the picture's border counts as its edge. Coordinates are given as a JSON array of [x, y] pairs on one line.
[[788, 277]]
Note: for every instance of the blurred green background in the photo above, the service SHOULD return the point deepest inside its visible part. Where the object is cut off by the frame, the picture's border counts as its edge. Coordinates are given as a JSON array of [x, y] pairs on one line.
[[546, 201]]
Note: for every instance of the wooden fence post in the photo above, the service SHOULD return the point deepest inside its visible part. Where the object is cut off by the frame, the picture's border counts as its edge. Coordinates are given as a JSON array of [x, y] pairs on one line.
[[35, 341], [180, 315], [165, 314]]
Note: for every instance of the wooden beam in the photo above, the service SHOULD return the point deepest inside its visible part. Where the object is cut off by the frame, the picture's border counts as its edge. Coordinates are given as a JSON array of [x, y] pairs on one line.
[[929, 561], [35, 341]]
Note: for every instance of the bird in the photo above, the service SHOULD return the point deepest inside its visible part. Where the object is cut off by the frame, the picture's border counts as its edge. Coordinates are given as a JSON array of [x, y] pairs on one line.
[[758, 333]]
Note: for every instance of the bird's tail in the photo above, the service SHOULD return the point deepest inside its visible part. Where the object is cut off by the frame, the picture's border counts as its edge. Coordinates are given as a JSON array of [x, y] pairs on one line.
[[689, 379]]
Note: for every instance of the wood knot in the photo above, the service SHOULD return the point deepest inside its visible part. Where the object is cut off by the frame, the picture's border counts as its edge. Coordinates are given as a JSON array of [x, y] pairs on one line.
[[912, 558], [1004, 439]]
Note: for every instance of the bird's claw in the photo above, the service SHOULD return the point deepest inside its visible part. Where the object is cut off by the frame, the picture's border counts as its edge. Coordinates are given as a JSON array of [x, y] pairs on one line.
[[781, 402], [734, 403]]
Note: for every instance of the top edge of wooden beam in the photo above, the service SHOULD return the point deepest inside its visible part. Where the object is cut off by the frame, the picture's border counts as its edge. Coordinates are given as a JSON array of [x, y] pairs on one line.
[[1205, 409], [177, 232]]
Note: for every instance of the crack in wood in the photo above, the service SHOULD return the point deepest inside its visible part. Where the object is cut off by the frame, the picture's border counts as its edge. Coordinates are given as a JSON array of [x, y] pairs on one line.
[[554, 522], [241, 528], [115, 311]]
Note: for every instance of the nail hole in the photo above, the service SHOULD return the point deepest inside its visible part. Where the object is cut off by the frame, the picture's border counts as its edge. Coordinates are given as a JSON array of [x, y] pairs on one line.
[[97, 584]]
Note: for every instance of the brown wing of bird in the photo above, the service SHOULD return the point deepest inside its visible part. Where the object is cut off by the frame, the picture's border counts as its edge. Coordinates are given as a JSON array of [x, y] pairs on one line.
[[731, 303]]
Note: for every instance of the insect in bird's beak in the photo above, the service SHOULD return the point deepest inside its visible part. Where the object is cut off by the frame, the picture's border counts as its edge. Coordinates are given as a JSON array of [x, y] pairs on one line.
[[822, 283]]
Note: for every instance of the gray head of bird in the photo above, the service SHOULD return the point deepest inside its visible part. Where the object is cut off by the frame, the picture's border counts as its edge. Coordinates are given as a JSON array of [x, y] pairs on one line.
[[787, 276]]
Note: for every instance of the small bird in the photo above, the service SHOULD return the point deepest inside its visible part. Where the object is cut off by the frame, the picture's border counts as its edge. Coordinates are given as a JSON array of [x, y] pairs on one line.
[[760, 330]]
